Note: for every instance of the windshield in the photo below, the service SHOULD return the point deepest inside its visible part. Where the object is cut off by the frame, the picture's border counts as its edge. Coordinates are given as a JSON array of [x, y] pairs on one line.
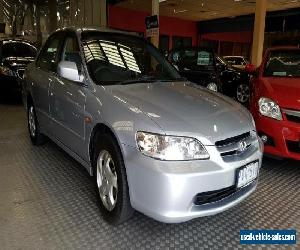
[[114, 58], [235, 60], [195, 59], [284, 63], [18, 49]]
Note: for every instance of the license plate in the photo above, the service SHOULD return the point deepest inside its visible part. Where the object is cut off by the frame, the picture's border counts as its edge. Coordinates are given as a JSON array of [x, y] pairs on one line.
[[247, 174]]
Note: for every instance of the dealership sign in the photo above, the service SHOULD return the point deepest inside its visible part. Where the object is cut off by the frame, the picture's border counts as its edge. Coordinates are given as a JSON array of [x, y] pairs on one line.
[[152, 26]]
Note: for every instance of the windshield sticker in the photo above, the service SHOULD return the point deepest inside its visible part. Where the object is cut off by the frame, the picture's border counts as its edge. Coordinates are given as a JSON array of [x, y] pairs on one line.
[[279, 73], [203, 58]]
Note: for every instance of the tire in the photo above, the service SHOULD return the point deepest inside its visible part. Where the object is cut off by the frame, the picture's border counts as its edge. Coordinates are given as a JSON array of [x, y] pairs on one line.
[[37, 138], [243, 93], [111, 182]]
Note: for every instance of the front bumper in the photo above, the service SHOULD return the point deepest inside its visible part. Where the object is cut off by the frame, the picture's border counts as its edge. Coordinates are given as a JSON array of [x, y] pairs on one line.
[[284, 137], [166, 191]]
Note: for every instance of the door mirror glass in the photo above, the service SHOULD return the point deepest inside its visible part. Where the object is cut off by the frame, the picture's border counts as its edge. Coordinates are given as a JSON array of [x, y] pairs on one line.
[[69, 71]]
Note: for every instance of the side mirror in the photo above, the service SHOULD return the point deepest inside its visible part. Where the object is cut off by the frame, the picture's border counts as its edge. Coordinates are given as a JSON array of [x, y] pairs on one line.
[[69, 71], [220, 67]]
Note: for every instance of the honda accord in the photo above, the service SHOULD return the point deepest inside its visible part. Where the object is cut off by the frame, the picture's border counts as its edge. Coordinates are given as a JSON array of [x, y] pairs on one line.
[[153, 141]]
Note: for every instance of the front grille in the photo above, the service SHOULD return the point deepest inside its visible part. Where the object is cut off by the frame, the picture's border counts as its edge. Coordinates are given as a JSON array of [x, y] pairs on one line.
[[292, 115], [213, 196], [293, 146], [231, 146], [232, 140]]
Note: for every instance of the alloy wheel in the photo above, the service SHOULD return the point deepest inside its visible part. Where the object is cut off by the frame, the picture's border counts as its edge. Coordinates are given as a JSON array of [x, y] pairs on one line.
[[31, 121], [243, 93], [107, 180]]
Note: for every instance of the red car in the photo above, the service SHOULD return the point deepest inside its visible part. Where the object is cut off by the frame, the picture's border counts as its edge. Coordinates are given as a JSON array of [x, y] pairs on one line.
[[275, 101]]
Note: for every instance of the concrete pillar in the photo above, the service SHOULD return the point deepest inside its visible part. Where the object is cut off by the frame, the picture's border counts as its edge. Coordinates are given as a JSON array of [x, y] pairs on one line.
[[155, 11], [103, 13], [259, 31]]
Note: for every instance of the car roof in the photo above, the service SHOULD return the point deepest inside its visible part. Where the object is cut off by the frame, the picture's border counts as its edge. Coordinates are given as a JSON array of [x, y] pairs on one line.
[[79, 29], [233, 56], [19, 40]]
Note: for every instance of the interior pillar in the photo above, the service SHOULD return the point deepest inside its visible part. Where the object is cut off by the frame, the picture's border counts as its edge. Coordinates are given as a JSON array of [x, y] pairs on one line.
[[259, 31], [155, 11]]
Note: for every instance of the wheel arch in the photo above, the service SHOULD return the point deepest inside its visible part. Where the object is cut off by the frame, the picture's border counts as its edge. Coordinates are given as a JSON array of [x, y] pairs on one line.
[[101, 128]]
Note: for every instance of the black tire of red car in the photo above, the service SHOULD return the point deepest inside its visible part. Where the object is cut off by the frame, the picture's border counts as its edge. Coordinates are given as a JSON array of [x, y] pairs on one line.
[[37, 138], [122, 209], [242, 93]]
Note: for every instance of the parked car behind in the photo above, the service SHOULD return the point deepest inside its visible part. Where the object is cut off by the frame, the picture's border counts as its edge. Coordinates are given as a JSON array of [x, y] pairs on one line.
[[202, 66], [236, 61], [275, 102], [153, 141], [15, 55]]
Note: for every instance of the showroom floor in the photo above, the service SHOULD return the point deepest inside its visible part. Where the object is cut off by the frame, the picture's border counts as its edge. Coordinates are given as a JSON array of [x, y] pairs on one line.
[[47, 200]]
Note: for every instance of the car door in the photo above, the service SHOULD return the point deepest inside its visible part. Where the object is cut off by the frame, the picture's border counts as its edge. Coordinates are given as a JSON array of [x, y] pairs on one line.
[[67, 100], [42, 75]]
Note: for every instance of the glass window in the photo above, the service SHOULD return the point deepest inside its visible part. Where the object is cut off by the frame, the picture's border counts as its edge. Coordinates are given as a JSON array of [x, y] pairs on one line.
[[49, 56], [196, 59], [71, 51], [114, 58], [18, 49], [283, 63]]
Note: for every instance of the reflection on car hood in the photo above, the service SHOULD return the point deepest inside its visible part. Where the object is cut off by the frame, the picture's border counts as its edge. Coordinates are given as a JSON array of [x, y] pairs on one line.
[[285, 91], [182, 108]]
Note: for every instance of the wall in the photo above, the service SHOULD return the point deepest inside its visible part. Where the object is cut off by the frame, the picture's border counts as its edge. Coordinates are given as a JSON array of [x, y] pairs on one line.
[[130, 20], [240, 37]]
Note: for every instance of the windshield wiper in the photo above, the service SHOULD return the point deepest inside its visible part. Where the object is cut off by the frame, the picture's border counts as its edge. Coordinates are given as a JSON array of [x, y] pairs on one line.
[[178, 79], [143, 79], [148, 79]]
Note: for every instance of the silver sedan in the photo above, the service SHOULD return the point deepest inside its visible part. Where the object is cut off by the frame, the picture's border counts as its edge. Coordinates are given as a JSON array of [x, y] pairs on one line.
[[153, 141]]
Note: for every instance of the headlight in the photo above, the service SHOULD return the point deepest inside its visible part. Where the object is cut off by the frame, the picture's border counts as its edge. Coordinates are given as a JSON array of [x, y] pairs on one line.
[[170, 148], [212, 86], [6, 71], [269, 108]]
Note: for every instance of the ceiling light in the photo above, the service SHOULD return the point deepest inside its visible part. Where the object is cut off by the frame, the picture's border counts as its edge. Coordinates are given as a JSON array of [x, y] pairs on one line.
[[161, 1], [179, 11]]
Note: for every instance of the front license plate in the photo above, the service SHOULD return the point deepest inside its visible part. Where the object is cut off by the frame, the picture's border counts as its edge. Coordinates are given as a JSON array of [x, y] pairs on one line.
[[247, 174]]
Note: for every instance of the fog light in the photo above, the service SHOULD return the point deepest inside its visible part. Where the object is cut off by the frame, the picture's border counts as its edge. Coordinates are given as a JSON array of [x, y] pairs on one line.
[[264, 138], [212, 86]]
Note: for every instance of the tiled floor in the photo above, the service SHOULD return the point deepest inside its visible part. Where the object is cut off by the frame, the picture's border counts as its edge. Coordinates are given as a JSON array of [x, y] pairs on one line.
[[47, 201]]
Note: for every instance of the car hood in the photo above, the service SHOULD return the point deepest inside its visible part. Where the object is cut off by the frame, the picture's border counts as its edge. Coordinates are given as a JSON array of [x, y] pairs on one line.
[[285, 91], [181, 108]]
